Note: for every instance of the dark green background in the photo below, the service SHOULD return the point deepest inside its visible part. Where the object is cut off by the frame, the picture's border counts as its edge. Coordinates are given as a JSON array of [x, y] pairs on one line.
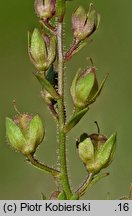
[[111, 52]]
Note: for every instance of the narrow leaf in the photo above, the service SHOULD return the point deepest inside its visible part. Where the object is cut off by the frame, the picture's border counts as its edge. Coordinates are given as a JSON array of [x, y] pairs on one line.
[[46, 85], [62, 196], [75, 119], [96, 179]]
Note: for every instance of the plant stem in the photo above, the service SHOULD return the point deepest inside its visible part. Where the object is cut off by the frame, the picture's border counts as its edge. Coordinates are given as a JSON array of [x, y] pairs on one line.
[[70, 52], [82, 189], [89, 182], [42, 167], [61, 112]]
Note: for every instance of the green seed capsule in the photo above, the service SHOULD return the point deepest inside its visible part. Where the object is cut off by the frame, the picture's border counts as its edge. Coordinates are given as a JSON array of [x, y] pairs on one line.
[[96, 154], [84, 89], [84, 86], [25, 133], [83, 24], [42, 50]]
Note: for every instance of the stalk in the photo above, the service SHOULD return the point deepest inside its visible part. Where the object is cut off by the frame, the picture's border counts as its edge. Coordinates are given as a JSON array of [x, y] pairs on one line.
[[82, 189], [42, 167], [61, 112]]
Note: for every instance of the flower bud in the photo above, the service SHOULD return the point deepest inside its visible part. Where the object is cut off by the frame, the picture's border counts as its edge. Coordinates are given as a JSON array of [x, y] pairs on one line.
[[42, 51], [83, 24], [25, 133], [45, 9], [84, 89], [96, 151]]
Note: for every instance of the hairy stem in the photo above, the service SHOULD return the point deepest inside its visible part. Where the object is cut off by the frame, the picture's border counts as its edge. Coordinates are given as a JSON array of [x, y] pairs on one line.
[[41, 166], [62, 137]]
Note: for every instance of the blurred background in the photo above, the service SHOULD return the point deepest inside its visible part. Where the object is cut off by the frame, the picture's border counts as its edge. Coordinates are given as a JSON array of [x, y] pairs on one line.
[[111, 51]]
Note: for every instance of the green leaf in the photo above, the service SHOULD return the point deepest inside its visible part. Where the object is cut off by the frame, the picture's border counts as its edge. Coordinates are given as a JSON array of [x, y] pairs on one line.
[[46, 85], [74, 197], [75, 119], [62, 196], [96, 179]]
